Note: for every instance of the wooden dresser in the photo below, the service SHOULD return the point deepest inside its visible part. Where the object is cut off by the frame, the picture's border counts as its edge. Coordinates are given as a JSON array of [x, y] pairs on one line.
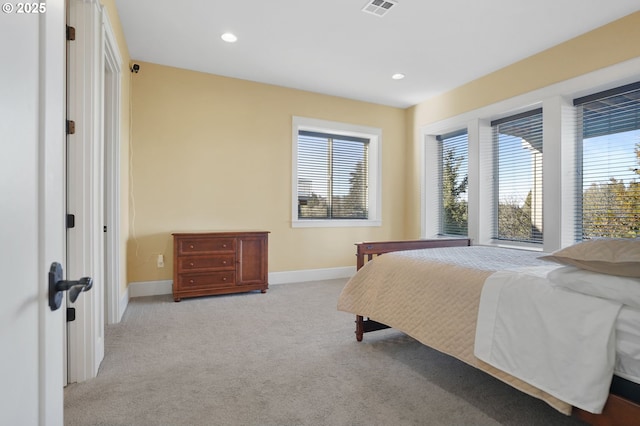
[[209, 263]]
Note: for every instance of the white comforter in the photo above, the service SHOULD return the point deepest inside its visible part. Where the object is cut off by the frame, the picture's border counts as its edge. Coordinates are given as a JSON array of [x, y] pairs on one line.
[[559, 341]]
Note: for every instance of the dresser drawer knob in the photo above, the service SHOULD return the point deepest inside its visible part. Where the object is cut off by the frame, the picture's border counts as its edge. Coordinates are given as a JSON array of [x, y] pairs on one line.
[[191, 281], [224, 246], [224, 278], [191, 246], [224, 262], [191, 264]]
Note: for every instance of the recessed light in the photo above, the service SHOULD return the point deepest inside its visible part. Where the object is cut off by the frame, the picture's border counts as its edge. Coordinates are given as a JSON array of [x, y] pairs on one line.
[[229, 38], [398, 76]]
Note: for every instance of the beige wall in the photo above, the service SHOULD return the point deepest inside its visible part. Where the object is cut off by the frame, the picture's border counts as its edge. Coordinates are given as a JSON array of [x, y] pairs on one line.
[[608, 45], [124, 138], [214, 153]]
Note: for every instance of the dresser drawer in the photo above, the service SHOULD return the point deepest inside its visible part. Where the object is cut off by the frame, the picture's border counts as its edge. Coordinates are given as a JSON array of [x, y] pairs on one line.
[[218, 261], [210, 279], [206, 245]]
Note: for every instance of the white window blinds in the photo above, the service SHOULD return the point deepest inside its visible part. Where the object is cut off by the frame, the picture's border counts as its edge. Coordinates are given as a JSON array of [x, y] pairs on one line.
[[453, 178], [609, 164], [517, 147], [332, 176]]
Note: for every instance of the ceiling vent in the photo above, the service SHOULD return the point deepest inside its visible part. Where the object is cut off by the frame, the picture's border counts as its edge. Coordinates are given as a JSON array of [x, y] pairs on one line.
[[379, 7]]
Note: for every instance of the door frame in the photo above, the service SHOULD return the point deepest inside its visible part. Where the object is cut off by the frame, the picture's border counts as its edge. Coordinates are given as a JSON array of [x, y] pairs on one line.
[[94, 64], [112, 116]]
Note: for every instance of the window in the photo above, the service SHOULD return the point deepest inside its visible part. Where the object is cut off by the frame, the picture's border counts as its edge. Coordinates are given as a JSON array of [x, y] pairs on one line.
[[454, 179], [609, 159], [517, 144], [335, 174], [332, 176], [585, 145]]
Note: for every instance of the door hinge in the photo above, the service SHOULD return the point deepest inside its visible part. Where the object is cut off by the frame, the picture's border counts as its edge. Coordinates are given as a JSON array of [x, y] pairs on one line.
[[71, 127], [104, 228], [71, 221], [71, 33], [71, 314]]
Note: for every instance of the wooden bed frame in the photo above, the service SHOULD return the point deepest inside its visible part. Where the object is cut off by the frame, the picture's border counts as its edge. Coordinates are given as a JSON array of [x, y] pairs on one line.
[[618, 411]]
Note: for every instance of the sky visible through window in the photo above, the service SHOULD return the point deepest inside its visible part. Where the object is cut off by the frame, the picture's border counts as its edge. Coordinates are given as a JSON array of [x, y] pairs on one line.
[[610, 156], [313, 153], [605, 157], [515, 169]]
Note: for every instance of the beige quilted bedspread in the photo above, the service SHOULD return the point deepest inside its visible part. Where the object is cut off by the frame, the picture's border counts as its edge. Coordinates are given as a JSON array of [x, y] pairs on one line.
[[434, 302]]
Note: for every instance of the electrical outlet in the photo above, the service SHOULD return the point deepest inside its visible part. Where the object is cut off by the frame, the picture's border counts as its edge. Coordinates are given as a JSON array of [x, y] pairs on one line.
[[160, 261]]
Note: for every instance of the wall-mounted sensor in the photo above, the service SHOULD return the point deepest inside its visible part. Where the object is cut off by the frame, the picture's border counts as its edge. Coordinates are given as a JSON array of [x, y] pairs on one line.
[[135, 68]]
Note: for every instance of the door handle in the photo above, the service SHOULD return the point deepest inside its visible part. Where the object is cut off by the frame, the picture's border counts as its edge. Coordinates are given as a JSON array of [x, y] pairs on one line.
[[57, 286]]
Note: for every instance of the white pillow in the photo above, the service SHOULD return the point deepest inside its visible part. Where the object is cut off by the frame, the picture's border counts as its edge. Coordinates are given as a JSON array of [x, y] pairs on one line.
[[615, 256], [625, 290]]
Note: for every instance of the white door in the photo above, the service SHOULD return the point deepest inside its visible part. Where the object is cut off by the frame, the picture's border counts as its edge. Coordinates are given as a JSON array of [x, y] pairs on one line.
[[32, 96]]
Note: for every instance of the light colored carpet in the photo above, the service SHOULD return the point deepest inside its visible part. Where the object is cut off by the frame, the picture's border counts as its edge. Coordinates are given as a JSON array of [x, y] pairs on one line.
[[287, 357]]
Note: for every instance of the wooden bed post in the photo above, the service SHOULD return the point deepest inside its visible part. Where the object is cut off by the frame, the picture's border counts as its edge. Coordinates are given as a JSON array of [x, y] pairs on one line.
[[359, 328]]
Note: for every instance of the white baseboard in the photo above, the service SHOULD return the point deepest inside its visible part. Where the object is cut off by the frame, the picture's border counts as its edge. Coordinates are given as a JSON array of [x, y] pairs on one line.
[[150, 288], [288, 277], [124, 302], [155, 288]]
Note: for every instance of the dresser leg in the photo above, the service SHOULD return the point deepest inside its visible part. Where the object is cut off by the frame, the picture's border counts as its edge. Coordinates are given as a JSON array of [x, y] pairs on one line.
[[176, 299], [264, 290]]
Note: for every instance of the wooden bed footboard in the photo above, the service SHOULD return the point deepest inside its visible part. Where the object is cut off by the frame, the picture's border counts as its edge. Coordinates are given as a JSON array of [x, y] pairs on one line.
[[618, 411], [367, 250]]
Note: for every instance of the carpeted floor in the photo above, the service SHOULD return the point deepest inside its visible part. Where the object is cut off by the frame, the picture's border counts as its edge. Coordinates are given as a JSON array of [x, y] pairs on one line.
[[287, 357]]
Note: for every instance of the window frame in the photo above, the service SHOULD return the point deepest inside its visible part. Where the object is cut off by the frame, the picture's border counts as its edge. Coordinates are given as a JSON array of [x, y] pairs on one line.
[[558, 162], [374, 135]]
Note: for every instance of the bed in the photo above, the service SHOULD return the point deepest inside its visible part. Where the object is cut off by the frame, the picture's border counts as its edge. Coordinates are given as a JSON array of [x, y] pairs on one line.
[[431, 290]]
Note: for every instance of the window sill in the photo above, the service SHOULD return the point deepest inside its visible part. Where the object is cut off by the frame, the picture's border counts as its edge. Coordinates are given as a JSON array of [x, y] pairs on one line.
[[335, 223], [517, 245]]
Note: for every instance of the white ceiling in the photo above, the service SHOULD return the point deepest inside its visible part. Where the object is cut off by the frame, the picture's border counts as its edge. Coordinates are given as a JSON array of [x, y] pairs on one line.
[[332, 47]]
